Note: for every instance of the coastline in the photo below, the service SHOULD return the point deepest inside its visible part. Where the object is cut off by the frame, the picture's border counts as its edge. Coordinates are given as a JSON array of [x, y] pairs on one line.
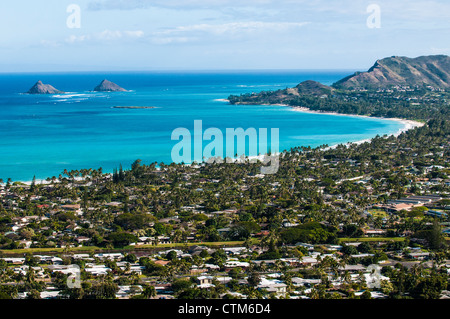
[[407, 124]]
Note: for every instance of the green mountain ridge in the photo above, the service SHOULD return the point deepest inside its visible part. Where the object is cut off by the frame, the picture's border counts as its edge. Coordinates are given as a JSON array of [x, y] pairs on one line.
[[380, 92], [313, 88], [433, 70]]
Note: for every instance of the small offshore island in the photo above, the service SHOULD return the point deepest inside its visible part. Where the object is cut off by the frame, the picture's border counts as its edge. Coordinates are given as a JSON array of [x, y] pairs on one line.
[[104, 86], [41, 88], [134, 107], [108, 86], [357, 221]]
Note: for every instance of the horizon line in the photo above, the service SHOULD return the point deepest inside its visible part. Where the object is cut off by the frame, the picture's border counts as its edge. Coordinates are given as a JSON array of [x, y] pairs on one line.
[[183, 70]]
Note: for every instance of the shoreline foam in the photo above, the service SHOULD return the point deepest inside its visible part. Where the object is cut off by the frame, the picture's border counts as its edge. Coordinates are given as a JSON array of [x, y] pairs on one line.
[[407, 125]]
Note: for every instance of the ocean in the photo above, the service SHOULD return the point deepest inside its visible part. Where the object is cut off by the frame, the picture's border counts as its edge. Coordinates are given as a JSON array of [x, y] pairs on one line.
[[42, 135]]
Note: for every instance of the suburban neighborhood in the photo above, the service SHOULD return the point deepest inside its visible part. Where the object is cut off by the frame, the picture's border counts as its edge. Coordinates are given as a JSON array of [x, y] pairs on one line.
[[356, 221]]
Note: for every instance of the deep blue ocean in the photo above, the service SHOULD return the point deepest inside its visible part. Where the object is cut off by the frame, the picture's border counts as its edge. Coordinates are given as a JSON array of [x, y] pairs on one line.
[[41, 135]]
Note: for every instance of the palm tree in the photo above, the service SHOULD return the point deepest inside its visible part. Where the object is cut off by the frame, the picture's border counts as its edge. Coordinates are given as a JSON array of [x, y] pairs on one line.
[[149, 292], [248, 243], [314, 294], [278, 265], [347, 277], [270, 240], [177, 236], [263, 266], [134, 278]]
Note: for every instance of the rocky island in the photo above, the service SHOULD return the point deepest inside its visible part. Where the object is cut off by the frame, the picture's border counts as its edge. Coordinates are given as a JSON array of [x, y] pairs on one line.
[[108, 86], [41, 88], [133, 107], [358, 221]]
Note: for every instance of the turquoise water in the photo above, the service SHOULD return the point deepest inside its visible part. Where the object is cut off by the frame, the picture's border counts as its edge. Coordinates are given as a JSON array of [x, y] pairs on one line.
[[45, 134]]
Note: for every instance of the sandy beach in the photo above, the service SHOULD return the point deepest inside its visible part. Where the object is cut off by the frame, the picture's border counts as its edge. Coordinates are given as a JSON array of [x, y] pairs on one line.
[[407, 124]]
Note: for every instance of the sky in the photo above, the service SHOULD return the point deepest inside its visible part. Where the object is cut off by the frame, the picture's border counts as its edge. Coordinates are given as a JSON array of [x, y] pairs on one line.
[[141, 35]]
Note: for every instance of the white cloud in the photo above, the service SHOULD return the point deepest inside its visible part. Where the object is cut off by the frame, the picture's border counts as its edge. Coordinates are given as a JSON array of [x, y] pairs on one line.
[[435, 50], [209, 33], [172, 40], [235, 27], [106, 35], [407, 10], [174, 4], [197, 33], [50, 44]]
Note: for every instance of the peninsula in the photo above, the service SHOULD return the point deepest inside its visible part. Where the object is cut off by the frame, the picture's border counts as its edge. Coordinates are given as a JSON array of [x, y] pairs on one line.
[[431, 70], [359, 221], [395, 87]]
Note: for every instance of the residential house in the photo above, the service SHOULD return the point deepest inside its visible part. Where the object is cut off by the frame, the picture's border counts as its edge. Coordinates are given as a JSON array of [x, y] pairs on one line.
[[419, 255], [230, 264], [272, 286], [97, 269], [110, 256], [205, 282], [127, 291]]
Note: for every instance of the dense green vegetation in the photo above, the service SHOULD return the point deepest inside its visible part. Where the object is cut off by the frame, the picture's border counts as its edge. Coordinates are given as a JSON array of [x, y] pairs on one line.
[[319, 196], [145, 196], [419, 103]]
